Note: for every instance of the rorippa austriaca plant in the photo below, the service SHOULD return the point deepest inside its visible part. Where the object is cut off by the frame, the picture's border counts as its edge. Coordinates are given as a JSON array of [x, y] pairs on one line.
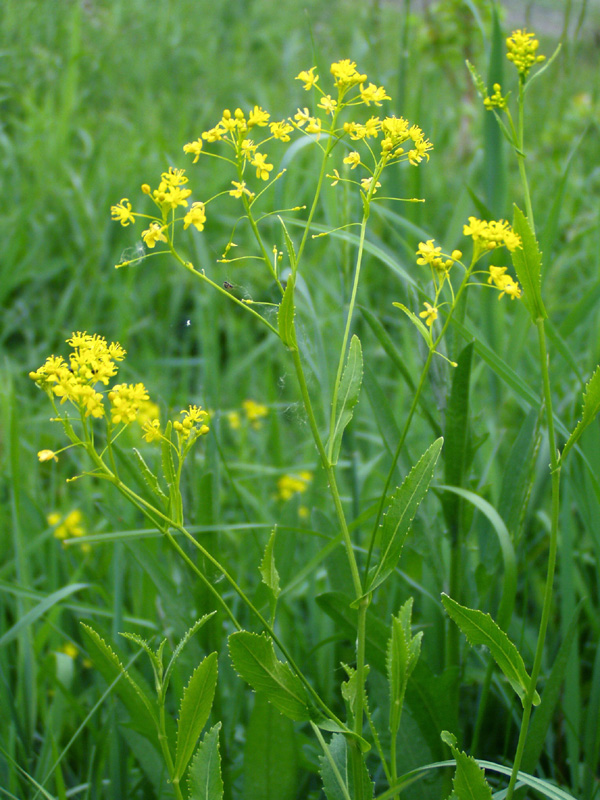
[[358, 740]]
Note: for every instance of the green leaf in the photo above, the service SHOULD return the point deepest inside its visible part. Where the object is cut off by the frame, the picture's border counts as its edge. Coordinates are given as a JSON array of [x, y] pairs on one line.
[[591, 406], [425, 332], [270, 755], [168, 465], [480, 629], [469, 781], [148, 476], [509, 584], [254, 660], [289, 245], [527, 261], [156, 663], [285, 316], [455, 438], [182, 643], [39, 610], [536, 734], [402, 655], [204, 778], [196, 703], [268, 570], [134, 697], [337, 775], [400, 514], [347, 397]]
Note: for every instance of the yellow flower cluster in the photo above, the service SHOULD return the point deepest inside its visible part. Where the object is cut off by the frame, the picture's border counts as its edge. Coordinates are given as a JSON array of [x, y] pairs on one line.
[[495, 100], [234, 129], [289, 485], [430, 314], [522, 49], [193, 423], [429, 254], [504, 283], [126, 399], [70, 526], [92, 361], [255, 412], [489, 235]]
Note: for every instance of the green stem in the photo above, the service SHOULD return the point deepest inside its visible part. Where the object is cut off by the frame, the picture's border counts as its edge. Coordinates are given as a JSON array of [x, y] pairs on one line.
[[338, 378], [330, 145], [413, 406], [258, 237], [206, 279], [165, 750], [521, 154], [555, 474]]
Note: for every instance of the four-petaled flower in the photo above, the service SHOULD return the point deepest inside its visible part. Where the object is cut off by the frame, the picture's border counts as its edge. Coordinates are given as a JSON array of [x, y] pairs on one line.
[[430, 314]]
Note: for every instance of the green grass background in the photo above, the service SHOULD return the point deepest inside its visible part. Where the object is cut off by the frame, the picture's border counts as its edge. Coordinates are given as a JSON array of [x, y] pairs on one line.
[[97, 98]]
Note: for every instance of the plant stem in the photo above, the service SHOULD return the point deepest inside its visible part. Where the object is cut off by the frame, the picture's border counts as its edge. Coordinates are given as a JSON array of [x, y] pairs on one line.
[[413, 406], [555, 475]]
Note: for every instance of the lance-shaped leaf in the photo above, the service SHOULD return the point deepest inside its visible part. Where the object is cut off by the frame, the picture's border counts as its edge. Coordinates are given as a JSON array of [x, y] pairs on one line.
[[400, 514], [527, 261], [402, 655], [285, 316], [149, 477], [469, 781], [268, 570], [337, 774], [480, 628], [591, 406], [131, 691], [182, 643], [196, 703], [204, 778], [254, 660], [425, 332], [289, 245], [347, 397]]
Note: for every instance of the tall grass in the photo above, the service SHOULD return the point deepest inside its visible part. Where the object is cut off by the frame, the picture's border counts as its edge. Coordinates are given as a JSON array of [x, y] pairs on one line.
[[98, 98]]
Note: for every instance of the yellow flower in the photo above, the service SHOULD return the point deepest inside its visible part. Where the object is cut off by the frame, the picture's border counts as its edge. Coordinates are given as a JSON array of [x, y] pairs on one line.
[[240, 189], [262, 168], [328, 104], [522, 47], [70, 527], [346, 75], [254, 412], [373, 94], [495, 100], [308, 78], [196, 216], [280, 130], [428, 253], [70, 650], [302, 116], [430, 314], [193, 422], [258, 116], [247, 149], [353, 159], [289, 485], [336, 177], [174, 177], [504, 283], [193, 148], [233, 418], [122, 212], [174, 197], [314, 126], [489, 235], [154, 234], [125, 400], [151, 430], [366, 185], [47, 455]]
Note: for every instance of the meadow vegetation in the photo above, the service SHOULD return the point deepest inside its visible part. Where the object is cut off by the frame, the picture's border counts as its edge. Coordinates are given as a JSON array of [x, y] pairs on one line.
[[210, 584]]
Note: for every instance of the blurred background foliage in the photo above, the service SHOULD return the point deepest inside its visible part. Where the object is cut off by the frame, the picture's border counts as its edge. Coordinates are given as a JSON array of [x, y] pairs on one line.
[[97, 98]]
